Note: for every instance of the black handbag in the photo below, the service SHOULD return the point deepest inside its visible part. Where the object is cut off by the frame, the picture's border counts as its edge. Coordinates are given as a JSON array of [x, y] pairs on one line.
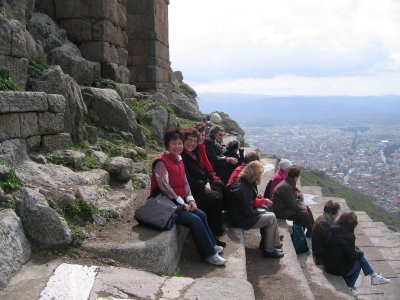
[[157, 212]]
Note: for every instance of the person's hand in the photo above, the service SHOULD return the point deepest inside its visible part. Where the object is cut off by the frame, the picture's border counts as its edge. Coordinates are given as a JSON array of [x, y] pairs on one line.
[[193, 205], [207, 186], [232, 160], [259, 195], [269, 202], [186, 207]]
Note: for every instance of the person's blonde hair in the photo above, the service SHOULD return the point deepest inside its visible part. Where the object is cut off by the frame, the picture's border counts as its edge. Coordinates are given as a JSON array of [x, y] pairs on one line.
[[252, 172]]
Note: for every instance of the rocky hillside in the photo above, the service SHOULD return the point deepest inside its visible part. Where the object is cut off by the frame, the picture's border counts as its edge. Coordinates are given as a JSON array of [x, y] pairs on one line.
[[74, 147]]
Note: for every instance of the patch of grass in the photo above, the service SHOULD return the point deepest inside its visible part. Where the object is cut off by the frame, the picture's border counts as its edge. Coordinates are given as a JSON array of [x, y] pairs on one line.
[[355, 200], [9, 204], [6, 82], [142, 112], [78, 210], [111, 148], [35, 70], [64, 250], [78, 233], [10, 183], [3, 13], [174, 274], [58, 159], [185, 123]]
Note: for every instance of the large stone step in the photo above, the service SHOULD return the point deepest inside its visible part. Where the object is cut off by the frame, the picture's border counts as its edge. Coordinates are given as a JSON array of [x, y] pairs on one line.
[[57, 280]]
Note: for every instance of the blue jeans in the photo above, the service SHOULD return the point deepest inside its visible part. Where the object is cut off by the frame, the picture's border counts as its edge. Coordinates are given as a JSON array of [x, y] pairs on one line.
[[352, 276], [196, 221]]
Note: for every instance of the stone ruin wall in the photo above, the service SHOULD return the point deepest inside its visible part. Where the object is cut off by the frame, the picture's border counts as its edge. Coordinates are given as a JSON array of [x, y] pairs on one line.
[[128, 37], [36, 117]]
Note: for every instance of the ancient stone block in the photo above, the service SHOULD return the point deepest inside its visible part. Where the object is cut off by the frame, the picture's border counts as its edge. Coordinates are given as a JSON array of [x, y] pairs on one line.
[[18, 43], [92, 134], [121, 15], [5, 37], [29, 124], [78, 9], [115, 72], [77, 30], [46, 6], [56, 103], [9, 126], [114, 55], [33, 143], [28, 101], [122, 56], [96, 51], [106, 31], [50, 123], [56, 142]]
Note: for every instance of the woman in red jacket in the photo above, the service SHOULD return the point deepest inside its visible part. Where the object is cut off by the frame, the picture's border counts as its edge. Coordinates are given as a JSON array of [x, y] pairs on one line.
[[169, 178]]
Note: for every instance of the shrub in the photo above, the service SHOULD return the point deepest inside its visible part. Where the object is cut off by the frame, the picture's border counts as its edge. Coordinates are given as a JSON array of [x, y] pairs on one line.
[[107, 84], [35, 70], [10, 183], [6, 82]]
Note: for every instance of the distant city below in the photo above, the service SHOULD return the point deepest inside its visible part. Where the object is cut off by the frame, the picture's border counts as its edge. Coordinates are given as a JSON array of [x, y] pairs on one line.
[[355, 141]]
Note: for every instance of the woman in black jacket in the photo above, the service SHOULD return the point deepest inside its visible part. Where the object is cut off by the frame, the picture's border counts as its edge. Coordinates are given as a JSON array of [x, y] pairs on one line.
[[242, 214], [205, 189], [342, 257]]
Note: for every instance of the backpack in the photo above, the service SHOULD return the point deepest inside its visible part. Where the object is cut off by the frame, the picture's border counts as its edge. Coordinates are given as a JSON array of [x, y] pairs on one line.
[[267, 189], [299, 239]]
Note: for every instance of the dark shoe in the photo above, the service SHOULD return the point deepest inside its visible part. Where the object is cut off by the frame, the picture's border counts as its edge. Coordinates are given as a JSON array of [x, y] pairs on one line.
[[273, 254], [220, 243]]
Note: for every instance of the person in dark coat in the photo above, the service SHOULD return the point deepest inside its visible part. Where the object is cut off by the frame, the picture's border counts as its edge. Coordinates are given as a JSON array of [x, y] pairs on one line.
[[205, 189], [215, 151], [342, 257], [233, 150], [242, 213], [322, 230]]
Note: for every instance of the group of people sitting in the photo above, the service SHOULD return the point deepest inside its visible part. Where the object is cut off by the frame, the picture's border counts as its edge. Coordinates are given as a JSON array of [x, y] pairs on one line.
[[333, 245], [206, 178]]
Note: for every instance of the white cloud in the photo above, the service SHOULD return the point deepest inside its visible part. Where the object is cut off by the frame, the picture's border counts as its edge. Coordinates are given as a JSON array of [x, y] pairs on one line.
[[229, 40], [377, 85]]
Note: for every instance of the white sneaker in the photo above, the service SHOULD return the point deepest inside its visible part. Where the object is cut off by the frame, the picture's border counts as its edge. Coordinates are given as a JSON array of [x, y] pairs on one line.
[[378, 279], [353, 292], [218, 249], [216, 260]]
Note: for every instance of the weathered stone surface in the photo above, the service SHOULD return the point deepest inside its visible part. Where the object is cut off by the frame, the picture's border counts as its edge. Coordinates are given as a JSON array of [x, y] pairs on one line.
[[42, 223], [106, 108], [50, 123], [57, 178], [18, 43], [178, 75], [29, 124], [33, 142], [96, 51], [74, 158], [229, 124], [184, 107], [143, 180], [122, 56], [34, 50], [54, 81], [78, 30], [13, 151], [46, 7], [115, 72], [22, 101], [100, 156], [127, 90], [91, 133], [69, 58], [20, 10], [56, 141], [56, 103], [18, 68], [119, 168], [4, 171], [39, 158], [114, 55], [15, 248], [113, 201], [45, 30], [5, 36], [106, 31], [159, 121], [10, 127]]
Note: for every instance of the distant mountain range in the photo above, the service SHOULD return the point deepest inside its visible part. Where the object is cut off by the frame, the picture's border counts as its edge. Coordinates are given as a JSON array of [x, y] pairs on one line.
[[338, 110]]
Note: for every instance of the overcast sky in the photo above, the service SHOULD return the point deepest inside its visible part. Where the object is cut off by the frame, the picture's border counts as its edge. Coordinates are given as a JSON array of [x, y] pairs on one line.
[[287, 47]]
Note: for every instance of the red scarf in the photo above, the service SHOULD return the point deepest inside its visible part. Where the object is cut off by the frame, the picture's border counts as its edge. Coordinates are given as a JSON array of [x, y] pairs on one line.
[[204, 162]]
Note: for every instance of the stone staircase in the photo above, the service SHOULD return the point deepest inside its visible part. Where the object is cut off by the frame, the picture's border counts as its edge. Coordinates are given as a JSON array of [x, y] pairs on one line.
[[247, 274]]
